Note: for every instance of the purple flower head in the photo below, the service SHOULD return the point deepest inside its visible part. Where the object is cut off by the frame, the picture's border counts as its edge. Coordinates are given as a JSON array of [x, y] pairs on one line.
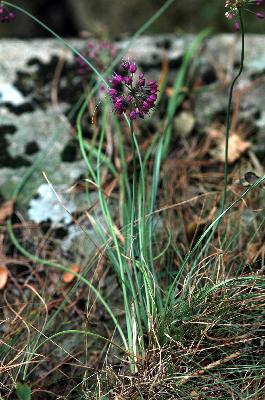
[[120, 105], [113, 92], [133, 115], [131, 94], [152, 98], [100, 54], [233, 7], [126, 65], [6, 15], [133, 68], [140, 82], [152, 83], [128, 80], [116, 80]]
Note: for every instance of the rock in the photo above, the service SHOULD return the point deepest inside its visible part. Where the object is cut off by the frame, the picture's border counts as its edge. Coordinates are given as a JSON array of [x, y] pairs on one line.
[[51, 133], [34, 131], [184, 123]]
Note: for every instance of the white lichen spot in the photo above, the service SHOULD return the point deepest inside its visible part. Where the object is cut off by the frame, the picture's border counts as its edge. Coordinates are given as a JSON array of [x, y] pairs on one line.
[[47, 207], [9, 94]]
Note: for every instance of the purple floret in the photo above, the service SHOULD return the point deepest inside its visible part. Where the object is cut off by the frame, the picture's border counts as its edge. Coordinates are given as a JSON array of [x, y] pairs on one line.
[[5, 15], [131, 94]]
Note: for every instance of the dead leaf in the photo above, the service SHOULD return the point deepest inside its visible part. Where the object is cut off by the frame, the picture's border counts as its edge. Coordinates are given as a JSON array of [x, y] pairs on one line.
[[3, 276], [254, 251], [237, 146], [68, 277], [6, 210], [194, 395], [215, 133], [170, 90]]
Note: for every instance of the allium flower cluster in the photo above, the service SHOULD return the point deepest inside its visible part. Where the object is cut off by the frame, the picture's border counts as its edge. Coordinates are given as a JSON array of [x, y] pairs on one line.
[[100, 54], [130, 93], [233, 6], [5, 15]]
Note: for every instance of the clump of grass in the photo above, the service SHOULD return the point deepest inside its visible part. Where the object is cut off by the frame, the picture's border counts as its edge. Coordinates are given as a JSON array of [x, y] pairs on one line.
[[208, 347]]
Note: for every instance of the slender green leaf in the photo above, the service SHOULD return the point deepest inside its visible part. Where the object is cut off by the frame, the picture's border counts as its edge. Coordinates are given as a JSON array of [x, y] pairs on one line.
[[23, 391]]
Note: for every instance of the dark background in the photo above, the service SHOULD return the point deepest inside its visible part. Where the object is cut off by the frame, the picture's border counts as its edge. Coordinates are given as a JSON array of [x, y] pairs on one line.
[[69, 18]]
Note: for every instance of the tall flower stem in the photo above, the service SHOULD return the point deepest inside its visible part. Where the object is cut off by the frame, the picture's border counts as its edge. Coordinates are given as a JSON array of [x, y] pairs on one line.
[[134, 250], [133, 209], [229, 108]]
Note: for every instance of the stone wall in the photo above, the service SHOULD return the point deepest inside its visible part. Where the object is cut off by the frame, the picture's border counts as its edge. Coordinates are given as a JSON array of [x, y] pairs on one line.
[[34, 129]]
